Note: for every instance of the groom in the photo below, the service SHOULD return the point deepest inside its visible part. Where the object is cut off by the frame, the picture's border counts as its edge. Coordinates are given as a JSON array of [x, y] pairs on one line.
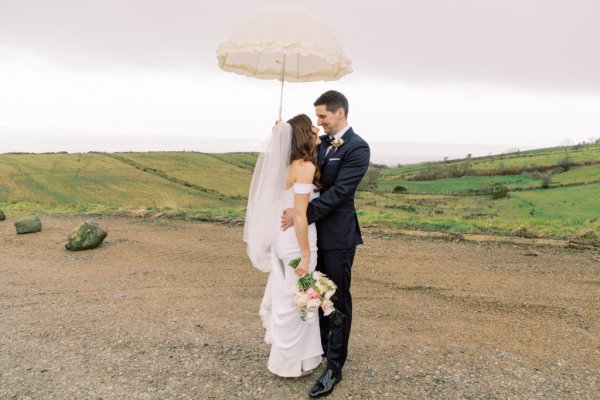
[[343, 161]]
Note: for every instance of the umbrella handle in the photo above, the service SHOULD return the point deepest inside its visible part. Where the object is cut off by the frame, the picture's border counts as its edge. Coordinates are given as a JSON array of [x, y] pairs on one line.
[[281, 94]]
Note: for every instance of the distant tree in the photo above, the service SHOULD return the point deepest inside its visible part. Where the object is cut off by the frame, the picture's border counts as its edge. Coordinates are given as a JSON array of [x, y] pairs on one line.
[[458, 170], [370, 179], [565, 163], [446, 158], [546, 181], [498, 191], [380, 166], [469, 156], [400, 189], [577, 147]]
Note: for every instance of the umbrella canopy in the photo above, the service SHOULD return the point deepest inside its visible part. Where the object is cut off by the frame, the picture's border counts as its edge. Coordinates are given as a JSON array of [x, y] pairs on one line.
[[284, 42], [287, 43]]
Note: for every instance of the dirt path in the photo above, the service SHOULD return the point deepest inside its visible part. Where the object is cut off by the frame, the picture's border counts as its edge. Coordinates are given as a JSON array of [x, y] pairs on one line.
[[168, 309]]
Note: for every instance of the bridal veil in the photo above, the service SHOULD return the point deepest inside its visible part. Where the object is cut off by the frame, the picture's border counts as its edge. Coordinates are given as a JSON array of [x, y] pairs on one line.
[[265, 201]]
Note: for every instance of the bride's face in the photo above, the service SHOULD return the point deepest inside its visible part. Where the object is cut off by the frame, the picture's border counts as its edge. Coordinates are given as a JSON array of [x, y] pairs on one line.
[[315, 132]]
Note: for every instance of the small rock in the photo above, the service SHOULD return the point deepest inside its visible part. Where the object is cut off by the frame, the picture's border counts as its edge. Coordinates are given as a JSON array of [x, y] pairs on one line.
[[29, 224], [86, 236], [2, 215]]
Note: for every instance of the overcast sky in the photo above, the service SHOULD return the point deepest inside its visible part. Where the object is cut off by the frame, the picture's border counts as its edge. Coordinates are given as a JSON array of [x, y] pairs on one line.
[[142, 74]]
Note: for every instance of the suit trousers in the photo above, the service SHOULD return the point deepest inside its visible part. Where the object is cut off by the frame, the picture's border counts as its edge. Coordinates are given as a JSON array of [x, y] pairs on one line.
[[335, 329]]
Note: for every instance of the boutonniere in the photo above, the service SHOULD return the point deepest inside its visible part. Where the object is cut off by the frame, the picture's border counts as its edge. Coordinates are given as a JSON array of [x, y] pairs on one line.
[[337, 143]]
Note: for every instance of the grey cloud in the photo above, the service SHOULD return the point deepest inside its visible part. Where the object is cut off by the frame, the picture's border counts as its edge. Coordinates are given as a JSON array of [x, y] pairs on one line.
[[539, 44]]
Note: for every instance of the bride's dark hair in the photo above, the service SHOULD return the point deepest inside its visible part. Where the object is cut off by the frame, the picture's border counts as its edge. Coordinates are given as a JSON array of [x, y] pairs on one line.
[[303, 147]]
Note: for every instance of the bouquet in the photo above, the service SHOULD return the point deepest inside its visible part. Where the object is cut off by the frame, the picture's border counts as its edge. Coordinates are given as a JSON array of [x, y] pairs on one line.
[[312, 291]]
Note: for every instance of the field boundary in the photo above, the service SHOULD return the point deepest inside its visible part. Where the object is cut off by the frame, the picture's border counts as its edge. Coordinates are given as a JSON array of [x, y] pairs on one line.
[[163, 175], [230, 162], [459, 237]]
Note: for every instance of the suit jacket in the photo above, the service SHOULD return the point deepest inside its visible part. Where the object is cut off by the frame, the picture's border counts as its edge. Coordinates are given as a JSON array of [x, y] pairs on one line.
[[333, 211]]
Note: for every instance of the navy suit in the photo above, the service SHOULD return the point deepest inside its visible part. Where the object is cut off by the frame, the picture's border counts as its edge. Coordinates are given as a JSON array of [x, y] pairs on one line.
[[338, 234]]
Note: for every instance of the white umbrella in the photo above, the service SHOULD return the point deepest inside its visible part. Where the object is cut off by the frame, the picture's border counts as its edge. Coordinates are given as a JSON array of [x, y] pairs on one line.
[[287, 43]]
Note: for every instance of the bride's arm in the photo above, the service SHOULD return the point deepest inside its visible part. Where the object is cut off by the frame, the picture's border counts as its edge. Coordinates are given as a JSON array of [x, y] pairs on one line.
[[304, 173]]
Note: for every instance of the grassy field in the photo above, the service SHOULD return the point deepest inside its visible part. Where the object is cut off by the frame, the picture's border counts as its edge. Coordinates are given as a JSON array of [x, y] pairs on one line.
[[104, 183], [523, 159], [551, 193], [466, 184]]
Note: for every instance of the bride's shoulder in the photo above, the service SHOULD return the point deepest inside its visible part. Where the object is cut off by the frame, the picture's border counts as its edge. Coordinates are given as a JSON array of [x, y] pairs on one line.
[[303, 170], [303, 166]]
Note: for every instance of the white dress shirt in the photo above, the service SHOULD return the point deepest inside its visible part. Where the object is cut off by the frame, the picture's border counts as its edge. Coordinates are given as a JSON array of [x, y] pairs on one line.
[[338, 136]]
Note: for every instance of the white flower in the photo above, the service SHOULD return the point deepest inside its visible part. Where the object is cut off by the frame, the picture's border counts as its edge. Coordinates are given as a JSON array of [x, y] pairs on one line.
[[300, 299], [321, 287], [327, 307], [318, 296], [313, 304], [337, 143]]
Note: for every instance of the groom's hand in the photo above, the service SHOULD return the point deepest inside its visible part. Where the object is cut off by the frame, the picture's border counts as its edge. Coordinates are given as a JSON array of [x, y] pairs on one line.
[[287, 219]]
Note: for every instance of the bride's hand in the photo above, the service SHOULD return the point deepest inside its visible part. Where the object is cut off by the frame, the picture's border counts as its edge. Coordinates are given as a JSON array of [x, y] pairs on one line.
[[302, 268]]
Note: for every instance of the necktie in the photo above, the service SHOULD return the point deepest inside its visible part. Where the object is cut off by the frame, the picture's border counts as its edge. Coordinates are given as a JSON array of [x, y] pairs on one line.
[[329, 152], [328, 140]]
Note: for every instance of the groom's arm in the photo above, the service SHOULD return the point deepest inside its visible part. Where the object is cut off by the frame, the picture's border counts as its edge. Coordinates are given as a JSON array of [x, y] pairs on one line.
[[351, 172]]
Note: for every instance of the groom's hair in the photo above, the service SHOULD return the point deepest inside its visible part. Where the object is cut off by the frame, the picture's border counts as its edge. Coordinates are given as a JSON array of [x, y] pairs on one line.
[[333, 101]]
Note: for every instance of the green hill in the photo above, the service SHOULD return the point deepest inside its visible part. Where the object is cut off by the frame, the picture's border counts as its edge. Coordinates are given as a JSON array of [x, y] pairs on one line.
[[110, 182], [550, 193]]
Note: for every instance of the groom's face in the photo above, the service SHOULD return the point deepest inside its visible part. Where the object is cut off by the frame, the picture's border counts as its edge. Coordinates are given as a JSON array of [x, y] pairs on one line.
[[331, 122]]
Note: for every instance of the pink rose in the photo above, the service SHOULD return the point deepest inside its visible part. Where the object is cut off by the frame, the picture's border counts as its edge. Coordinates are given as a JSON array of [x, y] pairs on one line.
[[312, 294]]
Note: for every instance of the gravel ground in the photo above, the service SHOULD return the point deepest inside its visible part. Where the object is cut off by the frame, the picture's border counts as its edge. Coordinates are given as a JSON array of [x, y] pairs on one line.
[[168, 309]]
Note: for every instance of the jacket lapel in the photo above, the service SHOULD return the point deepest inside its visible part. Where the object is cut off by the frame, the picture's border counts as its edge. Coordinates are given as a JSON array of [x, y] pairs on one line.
[[327, 157], [322, 151], [323, 159], [346, 137]]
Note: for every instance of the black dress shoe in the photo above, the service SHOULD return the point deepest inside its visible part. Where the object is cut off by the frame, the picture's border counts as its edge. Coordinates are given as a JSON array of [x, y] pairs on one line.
[[325, 384]]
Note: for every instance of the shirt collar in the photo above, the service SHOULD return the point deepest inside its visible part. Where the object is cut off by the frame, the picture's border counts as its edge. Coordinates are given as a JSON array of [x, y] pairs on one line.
[[339, 135]]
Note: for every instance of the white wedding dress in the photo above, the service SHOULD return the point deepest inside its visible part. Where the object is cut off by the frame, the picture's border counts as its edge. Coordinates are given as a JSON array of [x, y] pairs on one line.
[[295, 344]]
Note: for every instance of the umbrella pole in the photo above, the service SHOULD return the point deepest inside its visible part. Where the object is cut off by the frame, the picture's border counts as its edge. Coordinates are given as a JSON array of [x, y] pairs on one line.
[[281, 94]]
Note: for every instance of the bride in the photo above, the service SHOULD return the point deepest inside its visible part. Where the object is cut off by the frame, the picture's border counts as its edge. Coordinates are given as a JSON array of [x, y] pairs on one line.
[[285, 176]]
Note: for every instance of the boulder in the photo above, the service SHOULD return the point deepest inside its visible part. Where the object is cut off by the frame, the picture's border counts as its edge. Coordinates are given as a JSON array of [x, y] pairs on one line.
[[29, 224], [86, 236], [2, 215]]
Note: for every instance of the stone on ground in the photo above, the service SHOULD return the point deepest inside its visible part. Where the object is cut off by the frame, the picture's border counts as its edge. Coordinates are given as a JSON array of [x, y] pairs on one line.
[[86, 236], [29, 224]]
